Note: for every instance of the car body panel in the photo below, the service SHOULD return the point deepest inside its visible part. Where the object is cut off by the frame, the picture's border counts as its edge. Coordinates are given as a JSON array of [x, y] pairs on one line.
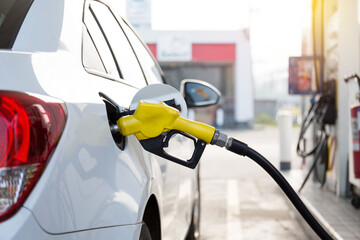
[[86, 144], [89, 184]]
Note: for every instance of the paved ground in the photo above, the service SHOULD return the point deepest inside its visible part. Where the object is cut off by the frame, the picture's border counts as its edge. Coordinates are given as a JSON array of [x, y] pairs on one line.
[[336, 214], [239, 200]]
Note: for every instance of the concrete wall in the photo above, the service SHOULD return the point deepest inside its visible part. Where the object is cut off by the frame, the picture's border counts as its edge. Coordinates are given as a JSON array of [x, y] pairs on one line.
[[268, 107]]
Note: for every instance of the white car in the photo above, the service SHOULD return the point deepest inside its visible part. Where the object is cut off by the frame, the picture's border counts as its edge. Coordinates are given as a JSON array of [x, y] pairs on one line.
[[63, 174]]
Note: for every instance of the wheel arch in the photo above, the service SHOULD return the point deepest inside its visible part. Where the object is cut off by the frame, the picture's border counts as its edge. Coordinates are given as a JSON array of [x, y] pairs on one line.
[[151, 217]]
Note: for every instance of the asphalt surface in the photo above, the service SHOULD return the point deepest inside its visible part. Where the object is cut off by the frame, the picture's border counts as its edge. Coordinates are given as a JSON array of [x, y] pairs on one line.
[[238, 198]]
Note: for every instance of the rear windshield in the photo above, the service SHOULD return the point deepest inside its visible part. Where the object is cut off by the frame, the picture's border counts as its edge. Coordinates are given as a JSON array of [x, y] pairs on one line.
[[12, 14]]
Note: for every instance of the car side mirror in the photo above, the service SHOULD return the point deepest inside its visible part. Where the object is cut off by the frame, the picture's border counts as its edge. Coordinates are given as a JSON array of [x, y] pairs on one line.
[[198, 93]]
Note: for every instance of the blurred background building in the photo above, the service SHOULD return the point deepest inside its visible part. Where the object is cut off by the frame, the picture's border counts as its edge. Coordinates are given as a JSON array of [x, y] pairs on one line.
[[221, 58], [239, 49]]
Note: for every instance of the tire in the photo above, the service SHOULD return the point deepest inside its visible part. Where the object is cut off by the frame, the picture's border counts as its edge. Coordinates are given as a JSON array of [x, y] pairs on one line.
[[145, 233], [194, 229], [355, 201]]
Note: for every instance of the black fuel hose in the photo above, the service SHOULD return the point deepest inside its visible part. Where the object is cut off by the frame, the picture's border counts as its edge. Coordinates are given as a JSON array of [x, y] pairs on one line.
[[309, 119], [317, 156], [241, 148]]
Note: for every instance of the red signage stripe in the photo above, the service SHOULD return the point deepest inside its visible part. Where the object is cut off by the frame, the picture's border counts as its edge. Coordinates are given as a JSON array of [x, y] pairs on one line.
[[205, 52], [213, 52], [152, 47]]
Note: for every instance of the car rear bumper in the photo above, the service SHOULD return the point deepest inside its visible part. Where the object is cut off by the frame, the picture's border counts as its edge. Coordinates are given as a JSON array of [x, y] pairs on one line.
[[24, 226]]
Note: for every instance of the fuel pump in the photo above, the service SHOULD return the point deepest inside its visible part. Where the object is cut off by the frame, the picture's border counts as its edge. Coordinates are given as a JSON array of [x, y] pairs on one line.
[[355, 127], [154, 123], [321, 113]]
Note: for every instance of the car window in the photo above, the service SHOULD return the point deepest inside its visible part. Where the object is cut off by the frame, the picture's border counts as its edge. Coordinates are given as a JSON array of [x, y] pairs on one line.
[[102, 47], [147, 62], [123, 52], [91, 57], [12, 14]]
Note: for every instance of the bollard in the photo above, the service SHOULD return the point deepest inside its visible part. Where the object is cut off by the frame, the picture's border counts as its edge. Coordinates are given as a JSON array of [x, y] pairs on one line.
[[285, 131], [219, 117]]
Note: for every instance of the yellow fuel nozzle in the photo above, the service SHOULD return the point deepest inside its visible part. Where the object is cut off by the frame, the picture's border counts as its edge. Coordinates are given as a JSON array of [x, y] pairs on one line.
[[155, 123], [152, 119]]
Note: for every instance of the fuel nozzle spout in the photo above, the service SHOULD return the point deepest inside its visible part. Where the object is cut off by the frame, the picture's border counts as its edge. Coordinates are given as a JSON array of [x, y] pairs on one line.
[[350, 77]]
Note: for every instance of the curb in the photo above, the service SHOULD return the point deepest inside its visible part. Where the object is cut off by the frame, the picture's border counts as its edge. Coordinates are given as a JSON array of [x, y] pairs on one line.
[[320, 219]]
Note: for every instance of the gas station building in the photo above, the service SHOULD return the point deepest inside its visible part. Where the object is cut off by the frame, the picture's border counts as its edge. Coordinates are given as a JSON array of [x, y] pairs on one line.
[[221, 58]]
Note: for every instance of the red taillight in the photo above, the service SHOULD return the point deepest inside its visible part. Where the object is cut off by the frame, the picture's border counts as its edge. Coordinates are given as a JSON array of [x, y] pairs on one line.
[[30, 128]]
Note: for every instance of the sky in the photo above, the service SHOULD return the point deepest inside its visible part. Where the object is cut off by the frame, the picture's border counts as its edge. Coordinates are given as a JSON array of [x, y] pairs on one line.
[[199, 14], [276, 34]]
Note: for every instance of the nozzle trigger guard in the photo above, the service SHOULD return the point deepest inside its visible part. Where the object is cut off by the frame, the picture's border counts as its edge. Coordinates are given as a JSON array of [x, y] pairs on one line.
[[156, 146]]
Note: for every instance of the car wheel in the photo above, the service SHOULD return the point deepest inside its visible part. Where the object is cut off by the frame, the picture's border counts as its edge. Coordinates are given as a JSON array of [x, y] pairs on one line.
[[145, 233], [194, 229]]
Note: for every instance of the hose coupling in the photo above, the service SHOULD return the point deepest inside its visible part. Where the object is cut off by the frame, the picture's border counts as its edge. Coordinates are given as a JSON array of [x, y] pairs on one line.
[[219, 139]]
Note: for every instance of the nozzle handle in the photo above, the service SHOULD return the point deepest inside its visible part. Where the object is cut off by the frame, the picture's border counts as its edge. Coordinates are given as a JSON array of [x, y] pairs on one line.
[[157, 144]]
